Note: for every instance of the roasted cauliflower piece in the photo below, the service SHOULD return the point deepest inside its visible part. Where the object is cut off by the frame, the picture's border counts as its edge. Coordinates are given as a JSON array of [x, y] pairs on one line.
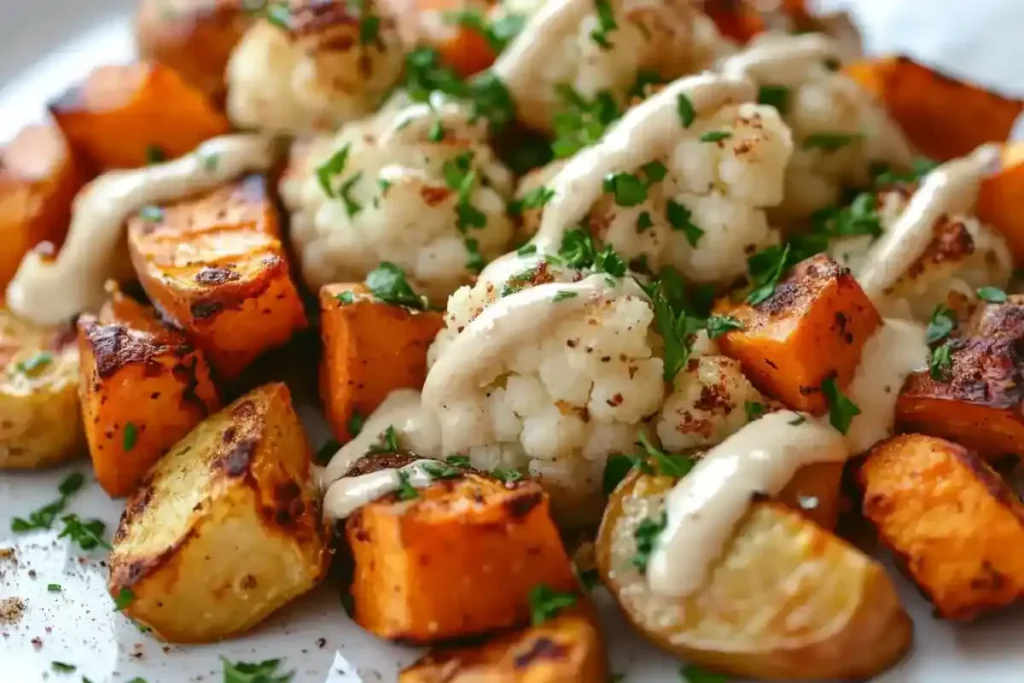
[[226, 528], [311, 65], [40, 419], [591, 48], [839, 131], [416, 185]]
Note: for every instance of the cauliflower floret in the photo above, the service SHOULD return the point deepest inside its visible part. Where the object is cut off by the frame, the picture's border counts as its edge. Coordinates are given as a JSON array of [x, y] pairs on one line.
[[838, 129], [313, 65], [603, 47], [416, 185]]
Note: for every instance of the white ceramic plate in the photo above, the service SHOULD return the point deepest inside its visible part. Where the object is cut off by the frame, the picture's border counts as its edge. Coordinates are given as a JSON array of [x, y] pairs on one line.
[[46, 45]]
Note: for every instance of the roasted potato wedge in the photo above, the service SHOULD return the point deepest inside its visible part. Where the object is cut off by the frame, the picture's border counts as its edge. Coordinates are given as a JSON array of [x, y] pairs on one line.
[[952, 522], [813, 326], [143, 388], [129, 116], [566, 649], [459, 559], [193, 37], [786, 600], [226, 528], [371, 348], [214, 265], [39, 179], [40, 423]]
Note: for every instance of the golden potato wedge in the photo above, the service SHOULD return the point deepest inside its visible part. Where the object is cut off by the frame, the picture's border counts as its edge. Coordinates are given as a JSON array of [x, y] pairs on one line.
[[214, 265], [226, 528], [193, 37], [485, 543], [40, 421], [143, 388], [954, 524], [786, 600], [565, 649], [39, 179]]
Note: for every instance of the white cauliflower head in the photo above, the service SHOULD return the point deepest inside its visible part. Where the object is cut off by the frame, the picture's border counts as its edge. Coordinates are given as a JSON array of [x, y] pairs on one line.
[[311, 65], [839, 131], [603, 46], [417, 185]]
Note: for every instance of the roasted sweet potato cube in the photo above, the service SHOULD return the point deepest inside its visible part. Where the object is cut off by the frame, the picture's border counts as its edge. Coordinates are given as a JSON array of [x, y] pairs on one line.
[[214, 265], [813, 326], [128, 116], [143, 387], [371, 348], [565, 649], [953, 523], [1001, 196], [422, 22], [978, 405], [39, 179], [458, 560]]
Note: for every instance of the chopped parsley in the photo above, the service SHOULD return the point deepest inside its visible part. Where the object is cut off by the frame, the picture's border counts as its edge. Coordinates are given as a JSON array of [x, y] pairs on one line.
[[152, 214], [331, 168], [155, 154], [210, 162], [684, 107], [490, 100], [54, 587], [131, 437], [352, 207], [644, 222], [88, 534], [279, 14], [841, 410], [715, 136], [563, 294], [665, 465], [774, 96], [940, 368], [646, 535], [720, 324], [369, 26], [829, 142], [807, 502], [327, 451], [691, 673], [766, 269], [345, 298], [44, 517], [460, 461], [386, 443], [919, 168], [581, 122], [506, 476], [654, 171], [440, 470], [461, 177], [615, 470], [546, 603], [124, 597], [644, 80], [993, 295], [406, 491], [32, 365], [71, 484], [676, 320], [387, 282], [797, 421], [355, 424], [590, 578], [754, 409], [436, 132], [605, 24], [627, 189], [61, 667], [267, 671], [680, 218], [474, 259], [940, 325], [536, 198]]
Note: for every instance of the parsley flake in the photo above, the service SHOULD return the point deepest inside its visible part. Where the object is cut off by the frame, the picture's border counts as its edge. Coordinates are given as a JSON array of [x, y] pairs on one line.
[[646, 535], [546, 603], [993, 295], [754, 409], [841, 410], [774, 96], [406, 491], [686, 111], [54, 587], [829, 142], [665, 464], [387, 282], [331, 168], [387, 442], [691, 673], [766, 268], [34, 364], [266, 671], [152, 214], [124, 597], [279, 14], [581, 122], [536, 198], [563, 294], [506, 476], [720, 324], [440, 470], [355, 424], [527, 250], [61, 667], [940, 325], [940, 368], [644, 222], [87, 534], [616, 468], [155, 155], [797, 421], [460, 461], [680, 218], [345, 298], [715, 136], [606, 24], [131, 437]]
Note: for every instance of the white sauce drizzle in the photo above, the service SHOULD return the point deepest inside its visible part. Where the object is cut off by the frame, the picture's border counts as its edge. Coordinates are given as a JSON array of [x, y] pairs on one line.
[[950, 189], [780, 59], [889, 356], [348, 494], [51, 291], [704, 507]]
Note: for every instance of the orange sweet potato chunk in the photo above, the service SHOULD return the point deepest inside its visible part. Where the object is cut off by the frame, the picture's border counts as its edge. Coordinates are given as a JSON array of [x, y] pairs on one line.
[[214, 265], [143, 387], [813, 326], [39, 178], [422, 22], [953, 523], [458, 560], [735, 19], [371, 348], [122, 116], [1001, 198]]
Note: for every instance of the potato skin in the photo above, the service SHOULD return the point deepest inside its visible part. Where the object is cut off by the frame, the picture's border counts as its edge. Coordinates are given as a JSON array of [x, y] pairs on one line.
[[40, 422], [813, 326], [459, 560], [955, 526], [566, 649], [136, 371], [371, 348], [835, 613], [39, 178], [193, 37], [232, 290], [226, 528]]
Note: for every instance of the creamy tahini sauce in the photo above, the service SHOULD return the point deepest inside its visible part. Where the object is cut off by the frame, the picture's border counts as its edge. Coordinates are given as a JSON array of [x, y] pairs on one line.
[[51, 291], [950, 189], [634, 140], [780, 59], [889, 356], [704, 507], [348, 494]]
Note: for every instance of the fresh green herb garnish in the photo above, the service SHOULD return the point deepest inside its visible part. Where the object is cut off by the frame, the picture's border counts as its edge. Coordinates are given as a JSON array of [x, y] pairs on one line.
[[546, 603], [264, 672], [460, 461], [797, 421], [387, 282], [369, 25], [691, 673], [754, 409], [605, 24], [279, 14], [562, 295], [54, 587], [646, 535], [666, 465], [327, 451], [774, 96], [807, 502], [61, 667], [332, 168], [71, 484], [766, 269], [919, 168], [387, 442], [616, 467], [536, 198], [155, 154], [346, 298], [644, 222], [355, 424], [680, 218], [654, 172], [507, 476], [152, 214], [860, 217], [131, 437], [715, 136], [684, 107], [527, 249], [474, 259], [841, 410], [440, 470], [590, 578], [940, 367], [406, 491], [581, 122], [644, 80], [993, 295], [720, 324], [210, 162], [830, 142], [460, 176], [32, 365], [124, 597], [941, 325], [87, 534], [675, 323], [352, 207]]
